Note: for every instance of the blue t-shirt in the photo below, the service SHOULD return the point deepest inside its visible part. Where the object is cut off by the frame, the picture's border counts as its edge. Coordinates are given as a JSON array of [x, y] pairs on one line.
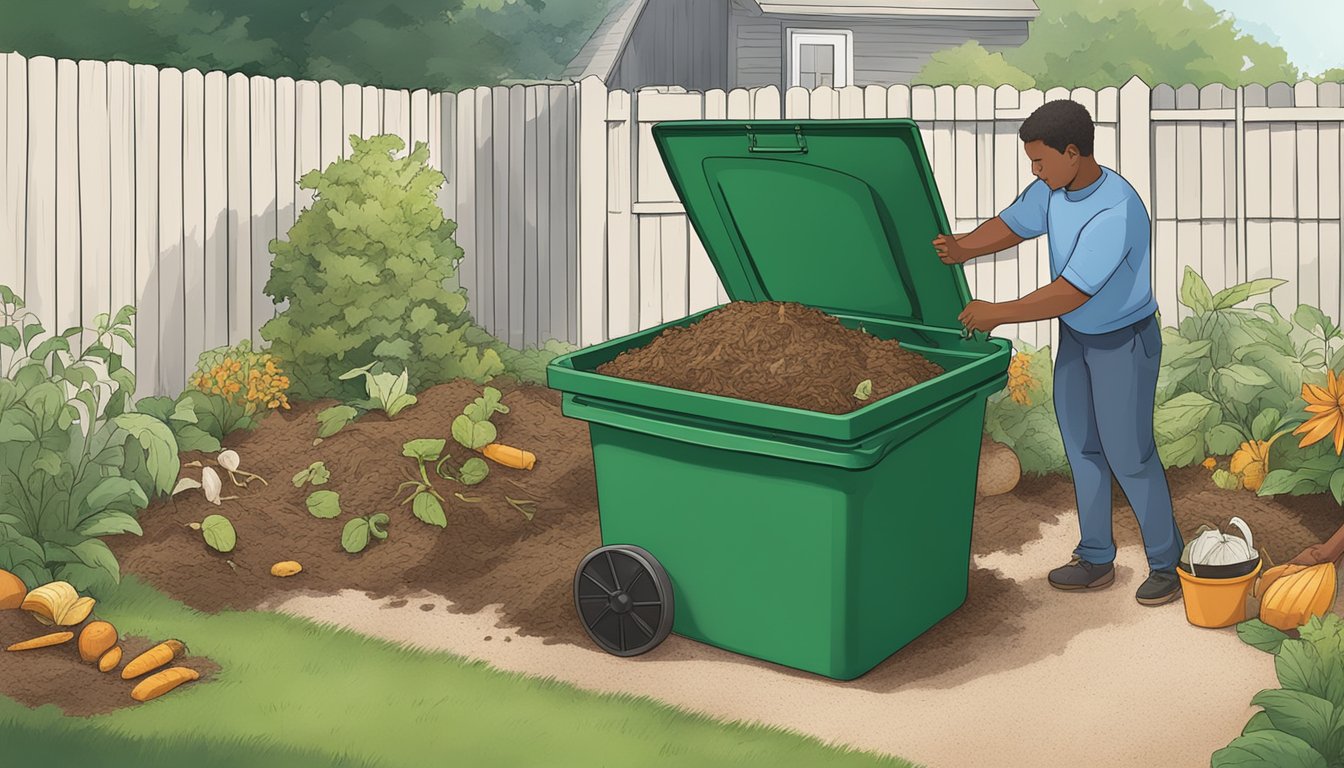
[[1099, 242]]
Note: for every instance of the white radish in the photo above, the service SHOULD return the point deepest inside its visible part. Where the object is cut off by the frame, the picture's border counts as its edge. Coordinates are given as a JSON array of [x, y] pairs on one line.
[[211, 484], [229, 460]]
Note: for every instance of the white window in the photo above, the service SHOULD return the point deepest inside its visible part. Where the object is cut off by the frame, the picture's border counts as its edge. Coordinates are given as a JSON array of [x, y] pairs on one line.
[[820, 57]]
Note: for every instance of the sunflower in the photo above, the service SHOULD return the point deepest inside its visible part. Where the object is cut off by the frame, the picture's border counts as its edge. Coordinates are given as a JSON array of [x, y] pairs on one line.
[[1326, 406], [1251, 462]]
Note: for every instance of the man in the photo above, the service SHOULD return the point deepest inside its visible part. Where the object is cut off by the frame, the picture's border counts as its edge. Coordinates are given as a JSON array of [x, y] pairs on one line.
[[1110, 344]]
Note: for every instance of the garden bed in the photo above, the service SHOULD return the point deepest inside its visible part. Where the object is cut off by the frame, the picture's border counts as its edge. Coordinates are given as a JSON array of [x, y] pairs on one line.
[[57, 676], [491, 554]]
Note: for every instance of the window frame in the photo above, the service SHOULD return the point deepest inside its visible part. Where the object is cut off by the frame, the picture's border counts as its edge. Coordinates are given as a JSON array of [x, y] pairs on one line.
[[796, 37]]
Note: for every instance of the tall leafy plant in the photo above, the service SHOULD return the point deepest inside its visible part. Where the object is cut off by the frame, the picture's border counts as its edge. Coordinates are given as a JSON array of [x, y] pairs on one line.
[[75, 464], [367, 273]]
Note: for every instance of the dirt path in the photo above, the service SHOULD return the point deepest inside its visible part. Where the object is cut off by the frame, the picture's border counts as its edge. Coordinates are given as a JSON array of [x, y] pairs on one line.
[[1022, 675]]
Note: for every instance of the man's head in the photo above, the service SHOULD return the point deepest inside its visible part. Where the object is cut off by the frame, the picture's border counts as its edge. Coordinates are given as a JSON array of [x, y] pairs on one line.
[[1057, 137]]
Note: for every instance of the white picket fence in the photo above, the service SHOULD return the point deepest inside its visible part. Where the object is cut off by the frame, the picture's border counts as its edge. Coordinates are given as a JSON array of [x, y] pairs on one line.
[[135, 185]]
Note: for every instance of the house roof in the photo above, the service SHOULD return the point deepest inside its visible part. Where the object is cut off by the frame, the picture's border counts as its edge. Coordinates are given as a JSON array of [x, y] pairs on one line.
[[604, 48], [999, 9], [599, 56]]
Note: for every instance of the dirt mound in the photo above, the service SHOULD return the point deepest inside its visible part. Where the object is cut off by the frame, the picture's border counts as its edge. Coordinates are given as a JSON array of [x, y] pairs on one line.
[[489, 552], [775, 352], [57, 676]]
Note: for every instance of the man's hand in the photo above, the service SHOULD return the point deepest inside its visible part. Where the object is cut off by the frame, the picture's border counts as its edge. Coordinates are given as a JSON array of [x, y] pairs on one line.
[[982, 316], [950, 251]]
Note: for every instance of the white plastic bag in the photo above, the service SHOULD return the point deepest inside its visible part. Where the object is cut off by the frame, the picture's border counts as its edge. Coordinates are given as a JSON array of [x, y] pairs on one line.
[[1213, 547]]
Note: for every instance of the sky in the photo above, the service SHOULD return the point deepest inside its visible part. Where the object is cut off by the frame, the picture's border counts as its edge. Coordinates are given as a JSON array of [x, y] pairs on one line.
[[1309, 30]]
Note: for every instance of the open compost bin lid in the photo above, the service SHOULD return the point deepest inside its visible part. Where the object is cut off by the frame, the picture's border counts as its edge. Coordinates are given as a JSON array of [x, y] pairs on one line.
[[834, 214]]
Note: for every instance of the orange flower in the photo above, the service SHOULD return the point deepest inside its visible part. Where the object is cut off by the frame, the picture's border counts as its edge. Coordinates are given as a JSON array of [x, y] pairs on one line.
[[1210, 463], [1251, 462], [1326, 406]]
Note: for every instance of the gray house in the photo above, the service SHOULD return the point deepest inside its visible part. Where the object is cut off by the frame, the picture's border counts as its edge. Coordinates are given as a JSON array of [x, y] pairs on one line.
[[704, 44]]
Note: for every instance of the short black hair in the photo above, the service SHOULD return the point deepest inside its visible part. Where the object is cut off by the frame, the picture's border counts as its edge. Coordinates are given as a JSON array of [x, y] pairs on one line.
[[1058, 124]]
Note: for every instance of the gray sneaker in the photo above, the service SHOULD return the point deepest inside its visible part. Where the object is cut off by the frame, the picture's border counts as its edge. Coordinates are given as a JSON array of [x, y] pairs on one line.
[[1080, 574], [1160, 588]]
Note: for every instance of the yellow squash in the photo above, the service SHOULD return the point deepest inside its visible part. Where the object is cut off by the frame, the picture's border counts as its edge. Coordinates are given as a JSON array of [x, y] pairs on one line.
[[1293, 599]]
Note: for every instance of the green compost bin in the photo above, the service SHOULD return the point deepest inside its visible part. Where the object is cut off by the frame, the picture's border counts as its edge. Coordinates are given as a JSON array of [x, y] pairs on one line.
[[816, 541]]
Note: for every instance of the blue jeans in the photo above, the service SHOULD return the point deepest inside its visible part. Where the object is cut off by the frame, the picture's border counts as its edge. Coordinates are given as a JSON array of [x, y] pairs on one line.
[[1104, 390]]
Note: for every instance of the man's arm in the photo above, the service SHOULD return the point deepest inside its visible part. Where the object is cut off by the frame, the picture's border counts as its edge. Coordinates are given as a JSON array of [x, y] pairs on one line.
[[1058, 298], [991, 237]]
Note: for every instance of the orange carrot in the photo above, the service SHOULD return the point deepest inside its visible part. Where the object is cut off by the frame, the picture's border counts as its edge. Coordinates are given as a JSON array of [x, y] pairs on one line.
[[160, 683], [45, 641], [508, 456], [153, 659]]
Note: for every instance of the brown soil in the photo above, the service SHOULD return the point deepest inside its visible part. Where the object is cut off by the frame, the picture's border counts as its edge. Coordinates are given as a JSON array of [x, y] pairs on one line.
[[490, 554], [58, 676], [775, 352]]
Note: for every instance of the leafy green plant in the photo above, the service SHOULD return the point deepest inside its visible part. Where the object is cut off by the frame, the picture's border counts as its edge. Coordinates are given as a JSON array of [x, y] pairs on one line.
[[75, 464], [386, 392], [426, 503], [473, 429], [180, 416], [217, 532], [1302, 722], [357, 533], [316, 474], [366, 271]]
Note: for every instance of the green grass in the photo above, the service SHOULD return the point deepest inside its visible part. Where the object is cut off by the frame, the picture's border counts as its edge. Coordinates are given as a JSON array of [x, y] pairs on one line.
[[294, 693]]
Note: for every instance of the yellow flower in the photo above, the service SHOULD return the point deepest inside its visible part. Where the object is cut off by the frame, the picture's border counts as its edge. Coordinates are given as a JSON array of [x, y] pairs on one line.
[[1251, 462], [1210, 463], [1327, 409]]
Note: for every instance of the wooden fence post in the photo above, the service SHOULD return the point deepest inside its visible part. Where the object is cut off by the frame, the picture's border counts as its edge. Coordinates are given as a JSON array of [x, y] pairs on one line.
[[1135, 125], [592, 183]]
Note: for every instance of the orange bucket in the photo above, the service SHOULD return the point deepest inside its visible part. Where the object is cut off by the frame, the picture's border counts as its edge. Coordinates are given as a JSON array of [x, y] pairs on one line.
[[1216, 602]]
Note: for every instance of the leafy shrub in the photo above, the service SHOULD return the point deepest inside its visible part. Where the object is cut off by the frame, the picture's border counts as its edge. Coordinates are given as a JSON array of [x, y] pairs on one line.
[[74, 464], [970, 64], [1298, 724], [365, 271], [243, 377]]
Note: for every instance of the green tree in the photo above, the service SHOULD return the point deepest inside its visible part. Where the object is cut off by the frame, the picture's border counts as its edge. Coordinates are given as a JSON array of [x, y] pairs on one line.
[[971, 64], [366, 271], [1097, 43], [1335, 75]]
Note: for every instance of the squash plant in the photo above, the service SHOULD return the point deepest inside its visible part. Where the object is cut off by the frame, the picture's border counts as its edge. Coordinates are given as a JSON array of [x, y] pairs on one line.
[[75, 465], [1302, 722]]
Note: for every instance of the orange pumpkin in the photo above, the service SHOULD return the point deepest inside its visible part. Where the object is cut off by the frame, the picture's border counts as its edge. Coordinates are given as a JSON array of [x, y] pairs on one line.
[[1292, 600]]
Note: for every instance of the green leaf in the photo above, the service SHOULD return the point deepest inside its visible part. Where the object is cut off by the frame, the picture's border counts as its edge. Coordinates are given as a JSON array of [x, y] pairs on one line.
[[398, 349], [32, 330], [192, 438], [424, 449], [316, 473], [160, 447], [49, 347], [1230, 297], [473, 434], [377, 523], [109, 524], [324, 504], [1258, 722], [334, 419], [113, 489], [1295, 482], [1299, 714], [355, 536], [864, 390], [219, 533], [95, 554], [1268, 749], [1258, 634], [1245, 374], [1309, 318], [125, 336], [355, 373], [1224, 439], [1296, 665], [9, 337], [48, 462], [1195, 292], [124, 315], [474, 470], [1264, 425], [427, 508], [1337, 486]]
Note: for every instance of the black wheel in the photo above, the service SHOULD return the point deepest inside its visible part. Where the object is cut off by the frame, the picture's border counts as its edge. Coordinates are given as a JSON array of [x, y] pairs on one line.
[[624, 599]]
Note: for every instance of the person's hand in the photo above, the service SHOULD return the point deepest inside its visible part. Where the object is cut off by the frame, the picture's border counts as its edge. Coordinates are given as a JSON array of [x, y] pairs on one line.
[[982, 316], [949, 250]]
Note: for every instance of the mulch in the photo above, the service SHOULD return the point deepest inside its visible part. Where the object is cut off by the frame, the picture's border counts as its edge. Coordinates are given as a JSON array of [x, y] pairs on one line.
[[775, 352]]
